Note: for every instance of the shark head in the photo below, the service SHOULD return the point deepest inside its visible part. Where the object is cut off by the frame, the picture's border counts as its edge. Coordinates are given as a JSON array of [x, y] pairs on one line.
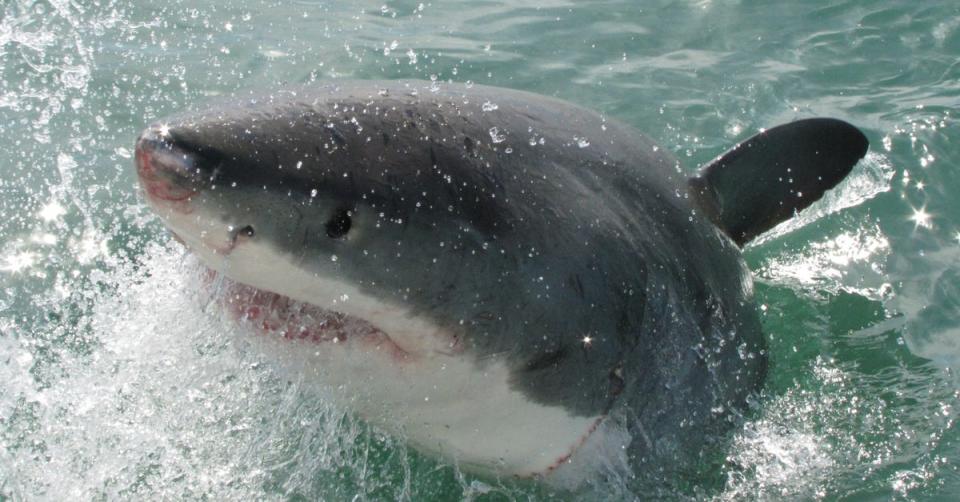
[[320, 227], [400, 258]]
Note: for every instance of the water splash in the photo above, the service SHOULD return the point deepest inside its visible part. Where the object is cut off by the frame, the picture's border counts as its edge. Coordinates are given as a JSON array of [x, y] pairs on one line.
[[801, 446], [169, 403], [872, 176], [852, 260]]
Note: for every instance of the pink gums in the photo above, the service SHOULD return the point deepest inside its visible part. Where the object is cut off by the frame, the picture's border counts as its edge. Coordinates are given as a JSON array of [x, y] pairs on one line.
[[271, 314]]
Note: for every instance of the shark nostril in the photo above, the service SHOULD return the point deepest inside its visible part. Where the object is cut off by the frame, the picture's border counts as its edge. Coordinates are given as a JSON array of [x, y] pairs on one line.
[[241, 233]]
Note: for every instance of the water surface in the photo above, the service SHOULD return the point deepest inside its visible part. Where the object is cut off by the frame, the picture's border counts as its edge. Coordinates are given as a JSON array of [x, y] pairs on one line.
[[119, 382]]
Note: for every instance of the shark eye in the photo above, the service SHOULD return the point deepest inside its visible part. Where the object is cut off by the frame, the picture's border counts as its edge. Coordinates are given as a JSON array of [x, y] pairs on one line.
[[339, 224]]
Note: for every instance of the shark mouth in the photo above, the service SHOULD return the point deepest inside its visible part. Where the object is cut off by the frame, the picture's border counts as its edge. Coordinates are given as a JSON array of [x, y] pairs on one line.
[[278, 316], [291, 323]]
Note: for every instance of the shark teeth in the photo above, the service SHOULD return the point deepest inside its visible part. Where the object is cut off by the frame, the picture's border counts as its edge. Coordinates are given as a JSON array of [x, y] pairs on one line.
[[274, 315]]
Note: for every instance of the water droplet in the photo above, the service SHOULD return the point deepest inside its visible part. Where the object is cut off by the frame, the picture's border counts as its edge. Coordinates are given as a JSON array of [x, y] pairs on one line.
[[75, 77], [333, 257]]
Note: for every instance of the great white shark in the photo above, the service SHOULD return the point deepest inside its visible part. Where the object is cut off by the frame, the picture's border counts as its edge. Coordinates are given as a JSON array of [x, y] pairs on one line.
[[491, 273]]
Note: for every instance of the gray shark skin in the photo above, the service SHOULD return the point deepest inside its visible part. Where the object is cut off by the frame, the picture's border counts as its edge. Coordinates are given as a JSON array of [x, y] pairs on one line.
[[561, 244]]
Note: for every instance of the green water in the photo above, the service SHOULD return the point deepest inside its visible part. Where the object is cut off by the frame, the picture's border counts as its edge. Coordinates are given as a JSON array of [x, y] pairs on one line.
[[118, 383]]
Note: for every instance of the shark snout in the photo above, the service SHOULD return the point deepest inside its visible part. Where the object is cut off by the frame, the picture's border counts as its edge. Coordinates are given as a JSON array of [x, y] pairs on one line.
[[167, 173]]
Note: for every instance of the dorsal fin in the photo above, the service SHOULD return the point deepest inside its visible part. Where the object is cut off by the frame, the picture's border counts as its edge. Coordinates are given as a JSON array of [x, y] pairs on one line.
[[769, 177]]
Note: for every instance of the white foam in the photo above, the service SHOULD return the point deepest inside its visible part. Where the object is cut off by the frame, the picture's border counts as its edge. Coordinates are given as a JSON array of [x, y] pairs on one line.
[[161, 406]]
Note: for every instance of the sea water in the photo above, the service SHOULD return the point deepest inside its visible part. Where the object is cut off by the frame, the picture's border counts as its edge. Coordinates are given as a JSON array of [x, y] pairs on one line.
[[120, 380]]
